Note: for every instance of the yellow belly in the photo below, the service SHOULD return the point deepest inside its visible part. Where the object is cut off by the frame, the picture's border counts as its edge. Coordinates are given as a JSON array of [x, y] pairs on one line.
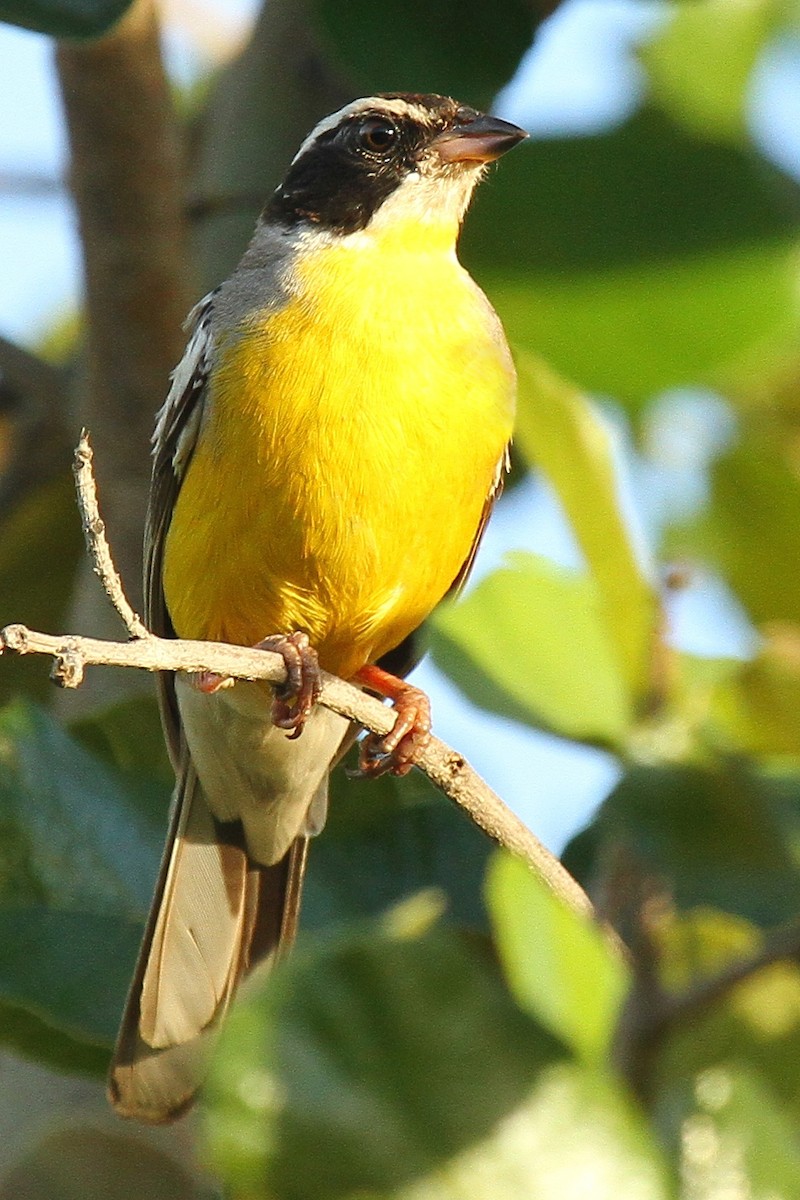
[[350, 444]]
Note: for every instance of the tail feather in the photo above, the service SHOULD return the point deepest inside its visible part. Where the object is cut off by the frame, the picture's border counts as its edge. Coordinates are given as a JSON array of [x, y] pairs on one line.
[[216, 914]]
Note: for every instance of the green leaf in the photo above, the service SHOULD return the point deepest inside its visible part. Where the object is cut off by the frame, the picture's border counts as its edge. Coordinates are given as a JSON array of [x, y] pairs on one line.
[[562, 434], [444, 47], [749, 528], [81, 842], [559, 965], [722, 836], [79, 853], [755, 1022], [399, 1067], [86, 1163], [753, 707], [530, 642], [40, 546], [64, 18], [26, 1035], [699, 64], [386, 839], [740, 1128], [129, 737], [69, 969], [640, 259]]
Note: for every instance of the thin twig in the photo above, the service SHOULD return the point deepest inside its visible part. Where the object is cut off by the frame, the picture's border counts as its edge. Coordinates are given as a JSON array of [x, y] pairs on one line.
[[443, 766], [94, 531]]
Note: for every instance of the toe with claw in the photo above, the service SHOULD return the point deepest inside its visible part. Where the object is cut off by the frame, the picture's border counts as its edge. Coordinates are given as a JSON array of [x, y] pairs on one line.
[[295, 698], [398, 750]]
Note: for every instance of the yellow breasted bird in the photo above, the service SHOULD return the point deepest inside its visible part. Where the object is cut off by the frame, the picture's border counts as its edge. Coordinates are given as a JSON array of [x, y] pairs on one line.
[[324, 466]]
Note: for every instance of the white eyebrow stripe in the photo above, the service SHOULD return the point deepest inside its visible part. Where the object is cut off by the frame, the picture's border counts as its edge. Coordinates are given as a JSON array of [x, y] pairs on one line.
[[377, 104]]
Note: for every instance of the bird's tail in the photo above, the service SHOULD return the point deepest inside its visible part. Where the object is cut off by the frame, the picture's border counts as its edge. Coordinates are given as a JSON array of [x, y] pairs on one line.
[[215, 915]]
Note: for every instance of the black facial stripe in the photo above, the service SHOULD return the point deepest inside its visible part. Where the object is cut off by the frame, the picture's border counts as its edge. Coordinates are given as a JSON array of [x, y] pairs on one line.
[[338, 184]]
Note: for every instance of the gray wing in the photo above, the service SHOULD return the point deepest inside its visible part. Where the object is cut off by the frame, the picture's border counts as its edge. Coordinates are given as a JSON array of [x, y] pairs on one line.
[[177, 427], [216, 913]]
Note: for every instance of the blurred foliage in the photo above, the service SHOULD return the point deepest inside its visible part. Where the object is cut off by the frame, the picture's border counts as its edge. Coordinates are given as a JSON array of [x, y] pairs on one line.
[[401, 45], [447, 1028], [641, 258], [74, 1164], [40, 548], [64, 18]]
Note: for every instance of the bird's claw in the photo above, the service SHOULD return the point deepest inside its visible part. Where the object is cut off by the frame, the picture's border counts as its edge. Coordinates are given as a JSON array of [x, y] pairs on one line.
[[294, 698], [397, 751]]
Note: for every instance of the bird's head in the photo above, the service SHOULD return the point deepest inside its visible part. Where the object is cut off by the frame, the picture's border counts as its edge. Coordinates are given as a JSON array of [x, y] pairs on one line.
[[390, 158]]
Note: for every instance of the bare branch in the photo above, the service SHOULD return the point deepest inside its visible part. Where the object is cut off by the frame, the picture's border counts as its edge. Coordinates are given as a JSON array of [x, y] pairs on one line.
[[447, 769], [94, 531]]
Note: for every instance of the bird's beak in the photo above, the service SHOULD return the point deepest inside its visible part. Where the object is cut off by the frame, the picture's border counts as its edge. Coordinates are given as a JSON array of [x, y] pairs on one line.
[[481, 140]]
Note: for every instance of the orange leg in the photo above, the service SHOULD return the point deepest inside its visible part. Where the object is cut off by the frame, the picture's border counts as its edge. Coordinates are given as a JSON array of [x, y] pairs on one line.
[[401, 747], [295, 698]]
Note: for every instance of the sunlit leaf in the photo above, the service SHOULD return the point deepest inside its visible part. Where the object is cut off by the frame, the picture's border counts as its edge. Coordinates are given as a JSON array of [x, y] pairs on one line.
[[725, 1070], [530, 642], [753, 707], [559, 965], [640, 259], [739, 1129], [563, 435], [699, 64], [749, 529]]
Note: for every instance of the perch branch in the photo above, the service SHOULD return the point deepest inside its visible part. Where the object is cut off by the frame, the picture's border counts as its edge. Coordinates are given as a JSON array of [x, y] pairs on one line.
[[443, 766]]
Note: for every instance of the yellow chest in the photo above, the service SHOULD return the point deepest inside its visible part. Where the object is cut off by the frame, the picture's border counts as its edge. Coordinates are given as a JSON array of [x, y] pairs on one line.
[[350, 442]]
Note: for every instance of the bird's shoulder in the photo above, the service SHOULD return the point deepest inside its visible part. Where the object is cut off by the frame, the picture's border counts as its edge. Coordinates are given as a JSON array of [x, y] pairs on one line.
[[179, 418]]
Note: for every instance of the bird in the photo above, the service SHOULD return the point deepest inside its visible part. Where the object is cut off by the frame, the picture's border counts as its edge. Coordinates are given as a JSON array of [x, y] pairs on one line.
[[324, 465]]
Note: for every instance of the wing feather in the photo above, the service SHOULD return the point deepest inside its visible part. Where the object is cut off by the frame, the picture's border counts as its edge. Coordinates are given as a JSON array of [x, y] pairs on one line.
[[178, 425], [216, 913]]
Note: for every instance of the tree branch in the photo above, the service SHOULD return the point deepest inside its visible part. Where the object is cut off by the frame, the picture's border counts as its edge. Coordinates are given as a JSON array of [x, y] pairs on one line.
[[445, 767]]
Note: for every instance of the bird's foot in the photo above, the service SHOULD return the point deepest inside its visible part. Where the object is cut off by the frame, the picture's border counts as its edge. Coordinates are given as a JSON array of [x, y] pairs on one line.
[[398, 750], [209, 682], [294, 698]]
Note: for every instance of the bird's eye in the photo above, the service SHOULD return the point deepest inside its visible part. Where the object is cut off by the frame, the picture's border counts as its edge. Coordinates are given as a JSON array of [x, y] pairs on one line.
[[377, 135]]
